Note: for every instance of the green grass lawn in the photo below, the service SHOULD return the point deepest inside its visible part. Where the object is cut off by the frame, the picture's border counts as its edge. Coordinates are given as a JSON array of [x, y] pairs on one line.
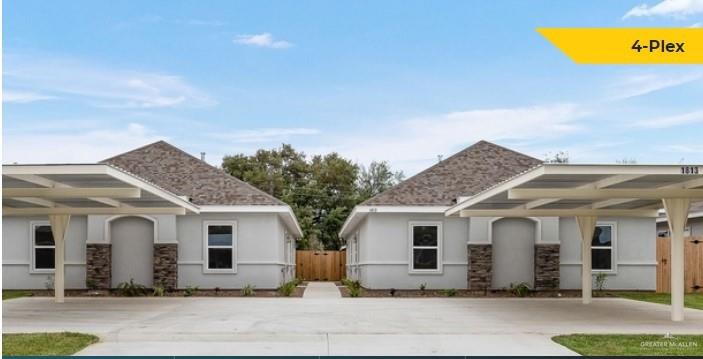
[[12, 294], [45, 343], [692, 300], [635, 344]]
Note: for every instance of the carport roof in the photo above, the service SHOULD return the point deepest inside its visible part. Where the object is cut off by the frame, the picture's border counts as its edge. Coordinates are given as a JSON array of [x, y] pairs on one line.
[[83, 189], [581, 190]]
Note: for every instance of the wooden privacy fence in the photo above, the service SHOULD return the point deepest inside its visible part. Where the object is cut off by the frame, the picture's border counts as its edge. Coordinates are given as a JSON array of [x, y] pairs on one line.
[[321, 265], [693, 265]]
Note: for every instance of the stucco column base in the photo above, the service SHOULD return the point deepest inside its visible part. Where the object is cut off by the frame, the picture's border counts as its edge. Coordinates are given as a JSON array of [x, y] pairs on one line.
[[480, 269], [166, 265], [98, 268], [546, 266]]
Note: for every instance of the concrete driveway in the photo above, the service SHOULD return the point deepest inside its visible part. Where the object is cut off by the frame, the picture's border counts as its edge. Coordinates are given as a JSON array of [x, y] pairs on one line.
[[345, 326]]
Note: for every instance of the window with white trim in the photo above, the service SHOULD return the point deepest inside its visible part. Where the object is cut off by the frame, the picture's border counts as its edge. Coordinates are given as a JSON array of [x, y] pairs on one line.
[[43, 247], [220, 242], [425, 246], [602, 244]]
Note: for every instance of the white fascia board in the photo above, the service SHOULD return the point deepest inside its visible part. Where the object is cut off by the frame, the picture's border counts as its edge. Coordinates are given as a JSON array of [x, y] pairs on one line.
[[68, 169], [515, 181], [244, 208], [614, 169]]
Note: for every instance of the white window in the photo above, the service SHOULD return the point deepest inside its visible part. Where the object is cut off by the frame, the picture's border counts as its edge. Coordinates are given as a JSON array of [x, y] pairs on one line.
[[425, 247], [43, 247], [220, 239], [602, 247]]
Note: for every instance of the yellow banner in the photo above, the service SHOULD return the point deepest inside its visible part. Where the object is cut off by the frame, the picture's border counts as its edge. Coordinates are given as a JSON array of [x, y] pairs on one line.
[[628, 45]]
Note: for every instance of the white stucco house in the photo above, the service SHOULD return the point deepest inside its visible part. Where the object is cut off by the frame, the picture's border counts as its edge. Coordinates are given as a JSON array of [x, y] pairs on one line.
[[403, 238], [233, 235]]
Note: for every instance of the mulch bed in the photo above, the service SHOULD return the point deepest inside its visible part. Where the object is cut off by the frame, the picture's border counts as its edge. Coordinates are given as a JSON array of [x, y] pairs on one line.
[[460, 293], [263, 293]]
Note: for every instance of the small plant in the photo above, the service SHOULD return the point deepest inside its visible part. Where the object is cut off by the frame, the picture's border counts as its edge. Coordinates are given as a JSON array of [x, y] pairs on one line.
[[131, 289], [159, 290], [248, 291], [354, 287], [520, 289], [423, 286], [91, 284], [451, 292], [49, 284], [392, 292], [601, 278], [288, 288], [217, 290], [354, 291], [190, 290]]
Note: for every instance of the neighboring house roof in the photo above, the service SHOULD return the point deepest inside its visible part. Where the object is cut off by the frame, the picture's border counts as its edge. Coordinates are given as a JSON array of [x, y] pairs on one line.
[[466, 173], [185, 175]]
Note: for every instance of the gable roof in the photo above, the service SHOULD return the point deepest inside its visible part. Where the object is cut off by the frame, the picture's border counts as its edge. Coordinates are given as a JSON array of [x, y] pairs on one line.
[[185, 175], [464, 174]]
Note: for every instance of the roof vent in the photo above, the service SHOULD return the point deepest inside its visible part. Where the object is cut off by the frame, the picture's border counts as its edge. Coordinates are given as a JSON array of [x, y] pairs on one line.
[[202, 156]]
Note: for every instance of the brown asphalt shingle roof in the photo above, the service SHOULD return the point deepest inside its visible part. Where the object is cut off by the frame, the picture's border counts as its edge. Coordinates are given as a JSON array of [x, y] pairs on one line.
[[178, 172], [466, 173]]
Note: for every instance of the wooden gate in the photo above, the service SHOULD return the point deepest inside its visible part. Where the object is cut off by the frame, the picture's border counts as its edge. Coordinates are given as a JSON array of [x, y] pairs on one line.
[[693, 265], [320, 265]]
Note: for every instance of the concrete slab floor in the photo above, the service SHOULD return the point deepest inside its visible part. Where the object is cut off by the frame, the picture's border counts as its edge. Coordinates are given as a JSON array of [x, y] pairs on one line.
[[345, 326]]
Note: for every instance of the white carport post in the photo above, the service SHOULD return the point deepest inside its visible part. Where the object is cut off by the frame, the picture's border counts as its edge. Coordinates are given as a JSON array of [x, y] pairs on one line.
[[587, 225], [59, 226], [677, 214]]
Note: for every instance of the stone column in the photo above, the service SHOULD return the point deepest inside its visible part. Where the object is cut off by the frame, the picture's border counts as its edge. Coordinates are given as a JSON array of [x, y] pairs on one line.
[[98, 265], [480, 266], [546, 266], [166, 265]]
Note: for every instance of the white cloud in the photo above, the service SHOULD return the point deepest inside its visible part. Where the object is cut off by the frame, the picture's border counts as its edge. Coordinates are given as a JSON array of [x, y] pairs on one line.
[[102, 86], [264, 134], [87, 146], [672, 121], [696, 25], [673, 8], [413, 144], [642, 84], [262, 40], [15, 96]]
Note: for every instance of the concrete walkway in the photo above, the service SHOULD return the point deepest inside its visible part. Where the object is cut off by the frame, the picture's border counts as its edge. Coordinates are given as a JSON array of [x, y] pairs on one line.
[[345, 326], [322, 290]]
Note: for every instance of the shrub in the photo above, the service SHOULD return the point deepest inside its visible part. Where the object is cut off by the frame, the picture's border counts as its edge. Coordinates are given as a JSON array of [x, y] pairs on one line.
[[288, 288], [131, 289], [190, 290], [451, 292], [423, 286], [519, 289], [392, 292], [601, 278], [354, 291], [248, 291], [159, 290]]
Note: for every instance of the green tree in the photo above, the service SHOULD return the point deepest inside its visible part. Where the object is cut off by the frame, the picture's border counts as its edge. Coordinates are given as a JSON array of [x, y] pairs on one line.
[[321, 191], [377, 178]]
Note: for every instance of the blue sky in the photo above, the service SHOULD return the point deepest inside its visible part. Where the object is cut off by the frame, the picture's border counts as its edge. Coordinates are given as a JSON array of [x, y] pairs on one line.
[[402, 81]]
